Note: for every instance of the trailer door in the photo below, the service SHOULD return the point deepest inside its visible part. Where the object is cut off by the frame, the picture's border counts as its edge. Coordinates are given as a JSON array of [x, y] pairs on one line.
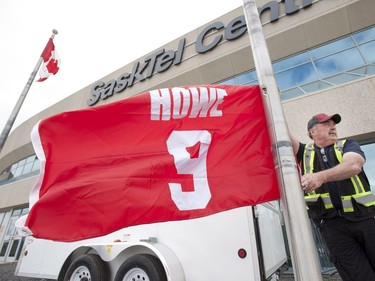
[[272, 243]]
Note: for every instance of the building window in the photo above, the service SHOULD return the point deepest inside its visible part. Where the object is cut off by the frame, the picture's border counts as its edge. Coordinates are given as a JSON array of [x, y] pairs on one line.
[[348, 58], [24, 168]]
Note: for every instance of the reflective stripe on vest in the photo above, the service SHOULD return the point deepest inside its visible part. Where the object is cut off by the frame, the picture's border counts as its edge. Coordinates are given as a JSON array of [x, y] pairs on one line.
[[314, 197], [357, 184], [366, 199], [308, 156]]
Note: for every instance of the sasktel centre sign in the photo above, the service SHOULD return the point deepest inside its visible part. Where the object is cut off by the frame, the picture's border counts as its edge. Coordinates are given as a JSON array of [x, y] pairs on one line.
[[162, 60]]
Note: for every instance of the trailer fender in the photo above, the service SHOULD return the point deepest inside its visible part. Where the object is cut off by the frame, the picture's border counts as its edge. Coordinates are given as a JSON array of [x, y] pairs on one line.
[[118, 252], [72, 258]]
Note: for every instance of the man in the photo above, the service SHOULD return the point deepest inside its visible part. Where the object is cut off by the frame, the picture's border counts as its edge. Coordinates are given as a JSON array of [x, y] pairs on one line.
[[338, 197]]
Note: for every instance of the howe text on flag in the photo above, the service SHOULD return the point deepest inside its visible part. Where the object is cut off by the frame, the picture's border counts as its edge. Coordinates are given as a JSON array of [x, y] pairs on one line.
[[169, 154]]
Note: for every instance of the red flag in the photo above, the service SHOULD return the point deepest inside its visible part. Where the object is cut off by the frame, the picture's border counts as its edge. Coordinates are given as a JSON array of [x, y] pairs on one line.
[[51, 61], [164, 155]]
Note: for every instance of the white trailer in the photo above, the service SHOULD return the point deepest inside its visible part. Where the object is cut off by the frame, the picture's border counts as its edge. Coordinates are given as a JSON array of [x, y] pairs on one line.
[[240, 244]]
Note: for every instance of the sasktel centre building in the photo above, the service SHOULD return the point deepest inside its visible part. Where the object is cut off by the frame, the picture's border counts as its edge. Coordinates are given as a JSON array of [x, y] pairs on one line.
[[323, 56]]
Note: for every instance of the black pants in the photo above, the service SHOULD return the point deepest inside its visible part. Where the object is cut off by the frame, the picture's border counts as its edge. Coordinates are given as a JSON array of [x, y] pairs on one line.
[[352, 247]]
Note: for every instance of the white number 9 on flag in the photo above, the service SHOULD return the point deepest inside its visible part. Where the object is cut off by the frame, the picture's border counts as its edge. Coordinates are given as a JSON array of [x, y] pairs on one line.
[[177, 144]]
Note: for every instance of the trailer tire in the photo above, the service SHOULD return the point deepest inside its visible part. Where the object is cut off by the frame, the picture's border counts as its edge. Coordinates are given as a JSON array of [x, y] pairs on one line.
[[141, 267], [87, 267]]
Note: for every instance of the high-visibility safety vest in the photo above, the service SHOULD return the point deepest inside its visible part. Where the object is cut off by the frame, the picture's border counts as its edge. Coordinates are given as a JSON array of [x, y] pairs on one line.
[[358, 202]]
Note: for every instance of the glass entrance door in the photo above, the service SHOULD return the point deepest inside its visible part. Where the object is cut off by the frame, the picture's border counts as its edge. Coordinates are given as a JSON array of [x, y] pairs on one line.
[[12, 243]]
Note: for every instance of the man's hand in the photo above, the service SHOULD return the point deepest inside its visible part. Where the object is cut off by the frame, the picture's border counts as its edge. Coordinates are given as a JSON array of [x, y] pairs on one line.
[[310, 182]]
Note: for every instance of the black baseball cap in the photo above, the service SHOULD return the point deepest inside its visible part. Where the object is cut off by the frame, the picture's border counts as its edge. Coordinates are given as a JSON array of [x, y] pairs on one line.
[[321, 118]]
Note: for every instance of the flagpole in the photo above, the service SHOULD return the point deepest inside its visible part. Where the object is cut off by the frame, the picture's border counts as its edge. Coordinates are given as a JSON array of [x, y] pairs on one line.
[[302, 247], [9, 124]]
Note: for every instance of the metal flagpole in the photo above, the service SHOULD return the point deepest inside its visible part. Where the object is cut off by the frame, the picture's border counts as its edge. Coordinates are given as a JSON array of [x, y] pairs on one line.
[[17, 107], [302, 247]]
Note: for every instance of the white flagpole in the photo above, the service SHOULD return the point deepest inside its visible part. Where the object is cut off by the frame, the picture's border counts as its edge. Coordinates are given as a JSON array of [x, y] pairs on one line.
[[302, 247], [9, 124]]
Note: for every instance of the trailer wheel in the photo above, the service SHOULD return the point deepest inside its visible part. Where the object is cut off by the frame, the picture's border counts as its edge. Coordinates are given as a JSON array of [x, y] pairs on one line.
[[141, 267], [87, 268]]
